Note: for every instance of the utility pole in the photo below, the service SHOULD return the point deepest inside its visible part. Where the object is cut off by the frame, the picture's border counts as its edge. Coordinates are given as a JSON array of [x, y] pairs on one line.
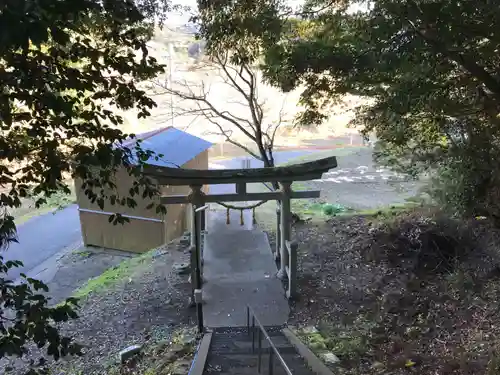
[[170, 79]]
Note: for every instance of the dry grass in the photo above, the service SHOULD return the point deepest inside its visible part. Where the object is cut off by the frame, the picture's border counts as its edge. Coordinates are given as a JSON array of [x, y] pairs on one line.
[[227, 98]]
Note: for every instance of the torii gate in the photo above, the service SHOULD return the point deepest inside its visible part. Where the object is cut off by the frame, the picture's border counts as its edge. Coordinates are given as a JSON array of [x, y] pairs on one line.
[[284, 176]]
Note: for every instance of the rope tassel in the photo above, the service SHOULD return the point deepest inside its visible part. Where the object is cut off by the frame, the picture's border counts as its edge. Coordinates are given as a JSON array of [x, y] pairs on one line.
[[241, 209]]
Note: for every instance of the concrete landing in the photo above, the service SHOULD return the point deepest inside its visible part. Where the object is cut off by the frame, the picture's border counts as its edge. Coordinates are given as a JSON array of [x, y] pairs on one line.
[[240, 270]]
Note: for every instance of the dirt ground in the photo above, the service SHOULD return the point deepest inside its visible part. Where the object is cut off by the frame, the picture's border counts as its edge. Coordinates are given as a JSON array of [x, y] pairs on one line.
[[360, 184], [140, 301], [74, 269], [416, 294]]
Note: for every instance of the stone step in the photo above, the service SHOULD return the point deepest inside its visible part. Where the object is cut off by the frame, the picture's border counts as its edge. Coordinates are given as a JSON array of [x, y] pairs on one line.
[[242, 343], [231, 353], [246, 363]]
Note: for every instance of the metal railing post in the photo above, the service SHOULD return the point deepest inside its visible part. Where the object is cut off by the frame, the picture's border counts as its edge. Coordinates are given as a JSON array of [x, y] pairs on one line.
[[271, 364], [248, 320], [260, 351], [198, 280], [278, 231], [262, 333], [192, 261], [286, 192], [253, 334], [292, 269], [196, 237]]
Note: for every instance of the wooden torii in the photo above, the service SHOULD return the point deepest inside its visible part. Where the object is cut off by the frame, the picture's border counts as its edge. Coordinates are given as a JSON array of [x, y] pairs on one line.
[[284, 176]]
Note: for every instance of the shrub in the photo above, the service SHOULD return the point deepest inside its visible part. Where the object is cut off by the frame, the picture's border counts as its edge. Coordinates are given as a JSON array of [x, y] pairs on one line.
[[333, 209], [423, 241], [464, 176], [26, 318]]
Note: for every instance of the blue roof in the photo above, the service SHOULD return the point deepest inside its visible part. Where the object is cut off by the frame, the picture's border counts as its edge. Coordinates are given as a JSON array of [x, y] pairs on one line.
[[176, 146]]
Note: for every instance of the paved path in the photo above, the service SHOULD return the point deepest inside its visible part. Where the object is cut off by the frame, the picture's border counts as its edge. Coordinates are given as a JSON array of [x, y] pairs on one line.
[[239, 270], [43, 237]]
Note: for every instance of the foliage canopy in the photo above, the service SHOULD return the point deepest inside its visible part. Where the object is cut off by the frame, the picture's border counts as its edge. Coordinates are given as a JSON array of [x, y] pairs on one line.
[[429, 68], [64, 67]]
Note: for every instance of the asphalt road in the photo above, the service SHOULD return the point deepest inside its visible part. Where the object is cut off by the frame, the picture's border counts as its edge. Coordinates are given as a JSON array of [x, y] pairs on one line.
[[42, 237]]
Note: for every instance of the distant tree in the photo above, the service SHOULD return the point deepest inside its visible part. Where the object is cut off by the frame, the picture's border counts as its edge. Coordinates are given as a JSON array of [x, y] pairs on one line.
[[64, 66], [244, 121]]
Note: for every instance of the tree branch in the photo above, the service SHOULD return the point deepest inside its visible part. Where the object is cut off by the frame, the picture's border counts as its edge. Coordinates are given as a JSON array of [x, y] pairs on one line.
[[461, 59], [243, 80], [225, 115]]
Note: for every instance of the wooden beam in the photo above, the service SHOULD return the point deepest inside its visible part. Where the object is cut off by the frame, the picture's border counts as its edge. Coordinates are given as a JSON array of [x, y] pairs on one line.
[[248, 197], [241, 188], [286, 226], [297, 172]]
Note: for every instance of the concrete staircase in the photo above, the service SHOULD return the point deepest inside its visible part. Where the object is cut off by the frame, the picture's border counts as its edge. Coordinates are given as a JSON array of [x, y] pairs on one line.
[[228, 351], [231, 354]]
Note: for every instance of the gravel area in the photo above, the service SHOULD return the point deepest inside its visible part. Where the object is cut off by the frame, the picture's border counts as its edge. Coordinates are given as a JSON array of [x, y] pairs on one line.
[[145, 304], [360, 184], [73, 269]]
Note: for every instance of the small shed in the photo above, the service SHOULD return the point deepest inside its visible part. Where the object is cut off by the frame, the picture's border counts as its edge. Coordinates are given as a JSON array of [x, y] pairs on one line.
[[146, 228]]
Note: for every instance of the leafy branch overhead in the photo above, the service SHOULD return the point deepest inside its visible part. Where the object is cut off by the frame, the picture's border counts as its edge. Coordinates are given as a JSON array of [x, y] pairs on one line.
[[428, 72], [60, 84], [66, 67]]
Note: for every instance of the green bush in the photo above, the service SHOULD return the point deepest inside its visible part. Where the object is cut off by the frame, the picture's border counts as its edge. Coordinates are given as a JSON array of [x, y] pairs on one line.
[[333, 209], [464, 177], [468, 183]]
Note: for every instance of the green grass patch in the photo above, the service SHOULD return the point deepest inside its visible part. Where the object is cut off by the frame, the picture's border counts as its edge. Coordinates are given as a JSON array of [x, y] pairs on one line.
[[24, 217], [388, 212], [266, 213], [307, 209], [113, 275], [345, 341], [324, 209]]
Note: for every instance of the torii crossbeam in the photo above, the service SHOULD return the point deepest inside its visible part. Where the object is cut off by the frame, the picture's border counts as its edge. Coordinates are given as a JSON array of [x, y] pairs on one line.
[[284, 176]]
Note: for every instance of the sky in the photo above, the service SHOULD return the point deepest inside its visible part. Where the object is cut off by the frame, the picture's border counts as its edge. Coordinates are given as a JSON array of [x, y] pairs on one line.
[[177, 19]]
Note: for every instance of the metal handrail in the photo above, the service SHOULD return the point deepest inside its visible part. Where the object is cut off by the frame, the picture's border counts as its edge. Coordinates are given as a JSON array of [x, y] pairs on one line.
[[198, 255], [273, 351]]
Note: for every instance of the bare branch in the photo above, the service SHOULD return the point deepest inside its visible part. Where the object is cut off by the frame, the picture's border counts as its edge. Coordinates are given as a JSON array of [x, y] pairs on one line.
[[251, 81], [248, 118], [229, 138], [200, 99]]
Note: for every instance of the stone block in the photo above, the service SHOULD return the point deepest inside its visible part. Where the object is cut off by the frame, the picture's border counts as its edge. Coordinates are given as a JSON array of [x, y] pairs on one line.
[[158, 253], [181, 268], [329, 358], [129, 352]]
